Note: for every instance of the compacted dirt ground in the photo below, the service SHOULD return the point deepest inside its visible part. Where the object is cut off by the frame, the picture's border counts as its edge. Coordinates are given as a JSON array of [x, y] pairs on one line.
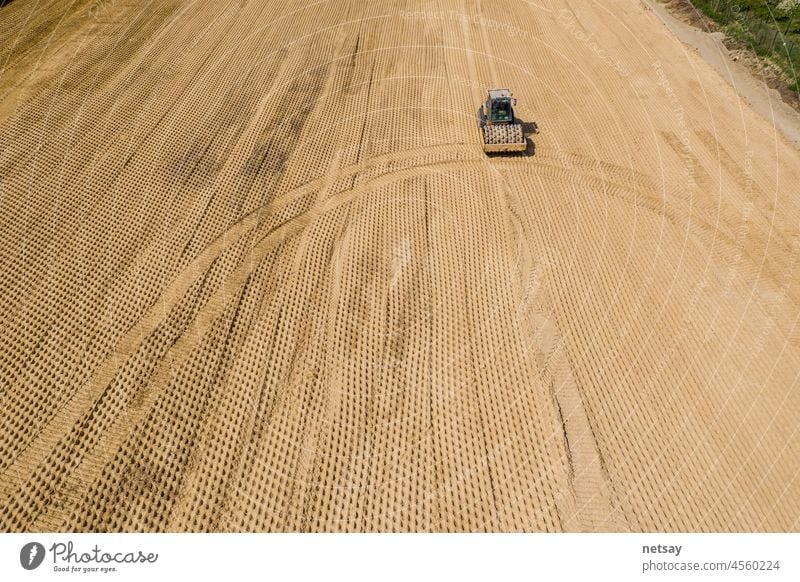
[[256, 273]]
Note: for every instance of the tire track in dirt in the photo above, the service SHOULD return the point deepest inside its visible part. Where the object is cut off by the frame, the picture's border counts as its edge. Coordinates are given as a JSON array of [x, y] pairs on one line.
[[155, 248], [216, 305], [127, 346], [488, 51], [772, 237], [203, 261], [587, 506]]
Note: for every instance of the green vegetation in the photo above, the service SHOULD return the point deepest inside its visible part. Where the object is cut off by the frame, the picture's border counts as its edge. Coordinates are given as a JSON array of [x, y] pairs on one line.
[[771, 28]]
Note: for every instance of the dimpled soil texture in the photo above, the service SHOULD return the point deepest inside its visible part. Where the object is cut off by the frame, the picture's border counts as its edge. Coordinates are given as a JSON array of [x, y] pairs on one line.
[[256, 273]]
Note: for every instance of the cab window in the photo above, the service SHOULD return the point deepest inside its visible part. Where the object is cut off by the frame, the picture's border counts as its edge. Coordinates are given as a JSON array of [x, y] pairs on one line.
[[501, 110]]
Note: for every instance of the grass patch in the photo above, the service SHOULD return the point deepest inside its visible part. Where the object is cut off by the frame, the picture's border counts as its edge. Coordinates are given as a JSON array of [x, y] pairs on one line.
[[762, 27]]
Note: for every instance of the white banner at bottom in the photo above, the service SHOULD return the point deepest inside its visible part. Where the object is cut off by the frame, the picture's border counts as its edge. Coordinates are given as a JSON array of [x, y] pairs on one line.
[[378, 557]]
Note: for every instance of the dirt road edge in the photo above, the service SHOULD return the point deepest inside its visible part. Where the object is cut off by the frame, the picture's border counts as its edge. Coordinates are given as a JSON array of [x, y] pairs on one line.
[[708, 45]]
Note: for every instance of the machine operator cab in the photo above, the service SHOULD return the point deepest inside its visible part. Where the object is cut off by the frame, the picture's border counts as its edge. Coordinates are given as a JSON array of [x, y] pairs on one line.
[[499, 107]]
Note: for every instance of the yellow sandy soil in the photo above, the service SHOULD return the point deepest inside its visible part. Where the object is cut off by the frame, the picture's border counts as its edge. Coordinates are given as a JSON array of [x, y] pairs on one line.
[[256, 273]]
